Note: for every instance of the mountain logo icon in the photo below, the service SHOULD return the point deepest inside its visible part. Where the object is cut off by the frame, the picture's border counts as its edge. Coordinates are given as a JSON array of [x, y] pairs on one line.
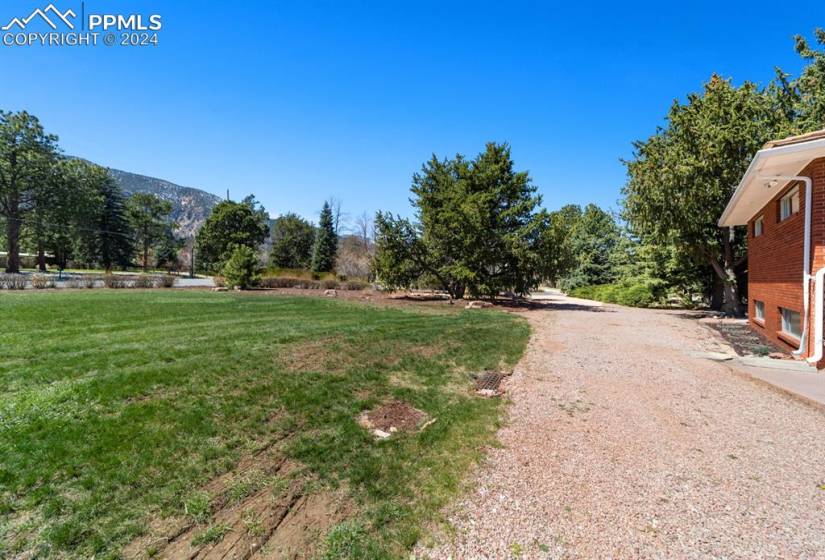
[[44, 15]]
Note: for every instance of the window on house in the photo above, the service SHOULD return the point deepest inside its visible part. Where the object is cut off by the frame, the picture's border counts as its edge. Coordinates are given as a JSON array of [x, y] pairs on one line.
[[759, 310], [758, 226], [791, 323], [789, 204]]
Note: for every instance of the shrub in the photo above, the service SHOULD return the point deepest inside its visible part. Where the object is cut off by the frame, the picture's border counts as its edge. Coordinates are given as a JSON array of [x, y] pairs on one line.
[[42, 281], [114, 281], [644, 293], [220, 281], [82, 281], [13, 281], [144, 281], [165, 281], [329, 284], [355, 285], [242, 269], [280, 282]]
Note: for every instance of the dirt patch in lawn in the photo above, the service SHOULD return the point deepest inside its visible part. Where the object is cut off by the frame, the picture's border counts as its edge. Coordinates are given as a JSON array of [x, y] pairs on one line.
[[265, 508], [394, 416], [312, 355], [335, 354]]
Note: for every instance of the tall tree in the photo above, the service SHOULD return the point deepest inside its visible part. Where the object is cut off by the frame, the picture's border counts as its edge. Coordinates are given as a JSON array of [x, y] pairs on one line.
[[292, 242], [149, 216], [808, 91], [326, 242], [681, 178], [557, 251], [27, 168], [103, 233], [166, 252], [592, 242], [230, 224], [115, 238], [479, 228]]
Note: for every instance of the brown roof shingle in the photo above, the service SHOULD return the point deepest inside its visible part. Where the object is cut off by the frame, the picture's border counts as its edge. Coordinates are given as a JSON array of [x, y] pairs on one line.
[[799, 139]]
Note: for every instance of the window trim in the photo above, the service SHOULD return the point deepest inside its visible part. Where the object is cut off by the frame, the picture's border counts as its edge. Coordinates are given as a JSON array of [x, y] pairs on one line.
[[789, 197], [759, 226], [783, 321]]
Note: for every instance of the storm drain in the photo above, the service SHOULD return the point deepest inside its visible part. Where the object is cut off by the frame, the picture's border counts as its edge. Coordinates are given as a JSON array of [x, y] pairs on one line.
[[488, 383]]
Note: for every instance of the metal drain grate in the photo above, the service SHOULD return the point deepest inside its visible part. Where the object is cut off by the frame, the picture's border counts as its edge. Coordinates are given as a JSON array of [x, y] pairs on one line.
[[488, 380]]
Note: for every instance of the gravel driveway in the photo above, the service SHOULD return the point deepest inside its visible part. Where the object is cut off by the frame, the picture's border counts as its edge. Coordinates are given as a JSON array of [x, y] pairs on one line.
[[620, 444]]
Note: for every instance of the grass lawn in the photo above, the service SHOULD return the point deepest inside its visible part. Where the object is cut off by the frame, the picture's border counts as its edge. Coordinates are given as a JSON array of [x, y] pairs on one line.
[[119, 407]]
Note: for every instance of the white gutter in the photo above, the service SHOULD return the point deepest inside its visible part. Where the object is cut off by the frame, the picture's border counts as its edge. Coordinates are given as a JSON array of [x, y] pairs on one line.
[[818, 289], [806, 262]]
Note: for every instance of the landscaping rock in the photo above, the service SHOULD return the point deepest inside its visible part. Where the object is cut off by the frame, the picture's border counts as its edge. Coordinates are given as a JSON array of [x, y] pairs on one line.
[[330, 293], [478, 305]]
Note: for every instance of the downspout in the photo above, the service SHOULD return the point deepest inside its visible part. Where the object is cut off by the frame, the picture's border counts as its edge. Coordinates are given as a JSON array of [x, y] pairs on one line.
[[806, 266], [818, 289]]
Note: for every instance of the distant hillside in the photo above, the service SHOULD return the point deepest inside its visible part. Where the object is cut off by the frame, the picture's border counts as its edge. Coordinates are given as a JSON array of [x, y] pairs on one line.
[[190, 206]]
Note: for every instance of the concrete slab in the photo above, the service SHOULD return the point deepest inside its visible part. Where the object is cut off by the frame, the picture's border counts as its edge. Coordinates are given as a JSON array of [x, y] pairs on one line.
[[807, 385], [788, 365]]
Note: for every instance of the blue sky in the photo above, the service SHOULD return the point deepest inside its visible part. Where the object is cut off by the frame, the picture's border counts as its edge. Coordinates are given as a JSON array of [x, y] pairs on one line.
[[299, 101]]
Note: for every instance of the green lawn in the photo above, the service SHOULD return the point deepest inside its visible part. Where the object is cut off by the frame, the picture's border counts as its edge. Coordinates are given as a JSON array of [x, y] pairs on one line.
[[120, 406]]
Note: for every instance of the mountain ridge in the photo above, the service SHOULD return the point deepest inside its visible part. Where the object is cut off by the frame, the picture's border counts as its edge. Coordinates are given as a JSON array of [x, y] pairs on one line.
[[190, 205]]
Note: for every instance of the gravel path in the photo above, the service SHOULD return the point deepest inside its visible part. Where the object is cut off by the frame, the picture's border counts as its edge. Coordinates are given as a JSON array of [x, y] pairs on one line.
[[620, 444]]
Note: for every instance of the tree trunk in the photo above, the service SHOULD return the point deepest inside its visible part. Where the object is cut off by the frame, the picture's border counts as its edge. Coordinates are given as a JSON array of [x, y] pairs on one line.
[[13, 242], [457, 291], [41, 256], [717, 293], [727, 274], [145, 257]]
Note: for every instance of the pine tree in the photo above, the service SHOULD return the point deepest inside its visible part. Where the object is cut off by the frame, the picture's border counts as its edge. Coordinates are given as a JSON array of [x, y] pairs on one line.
[[326, 242], [115, 239]]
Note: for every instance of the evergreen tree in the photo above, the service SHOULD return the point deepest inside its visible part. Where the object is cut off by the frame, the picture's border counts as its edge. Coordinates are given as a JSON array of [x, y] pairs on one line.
[[27, 170], [166, 252], [480, 228], [293, 240], [230, 224], [326, 242], [115, 243], [148, 215]]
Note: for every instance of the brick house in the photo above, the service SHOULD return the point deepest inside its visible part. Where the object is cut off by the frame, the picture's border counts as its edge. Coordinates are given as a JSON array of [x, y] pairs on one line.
[[781, 199]]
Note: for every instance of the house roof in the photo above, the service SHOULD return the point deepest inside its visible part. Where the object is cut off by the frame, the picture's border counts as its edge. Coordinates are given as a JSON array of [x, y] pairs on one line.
[[779, 158]]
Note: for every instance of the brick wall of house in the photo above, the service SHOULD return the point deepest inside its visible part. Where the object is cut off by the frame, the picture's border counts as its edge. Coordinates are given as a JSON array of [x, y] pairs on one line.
[[775, 258]]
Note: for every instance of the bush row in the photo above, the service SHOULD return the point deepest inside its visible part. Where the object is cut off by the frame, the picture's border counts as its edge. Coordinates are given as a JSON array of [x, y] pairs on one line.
[[44, 281], [303, 284], [12, 281], [143, 281], [633, 294]]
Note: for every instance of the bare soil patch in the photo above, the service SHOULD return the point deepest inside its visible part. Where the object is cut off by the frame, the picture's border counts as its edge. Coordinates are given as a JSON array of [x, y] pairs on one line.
[[321, 354], [262, 509], [393, 416]]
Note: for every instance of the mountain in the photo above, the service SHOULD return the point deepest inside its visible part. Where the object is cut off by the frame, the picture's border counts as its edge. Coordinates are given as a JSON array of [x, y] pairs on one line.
[[190, 206]]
